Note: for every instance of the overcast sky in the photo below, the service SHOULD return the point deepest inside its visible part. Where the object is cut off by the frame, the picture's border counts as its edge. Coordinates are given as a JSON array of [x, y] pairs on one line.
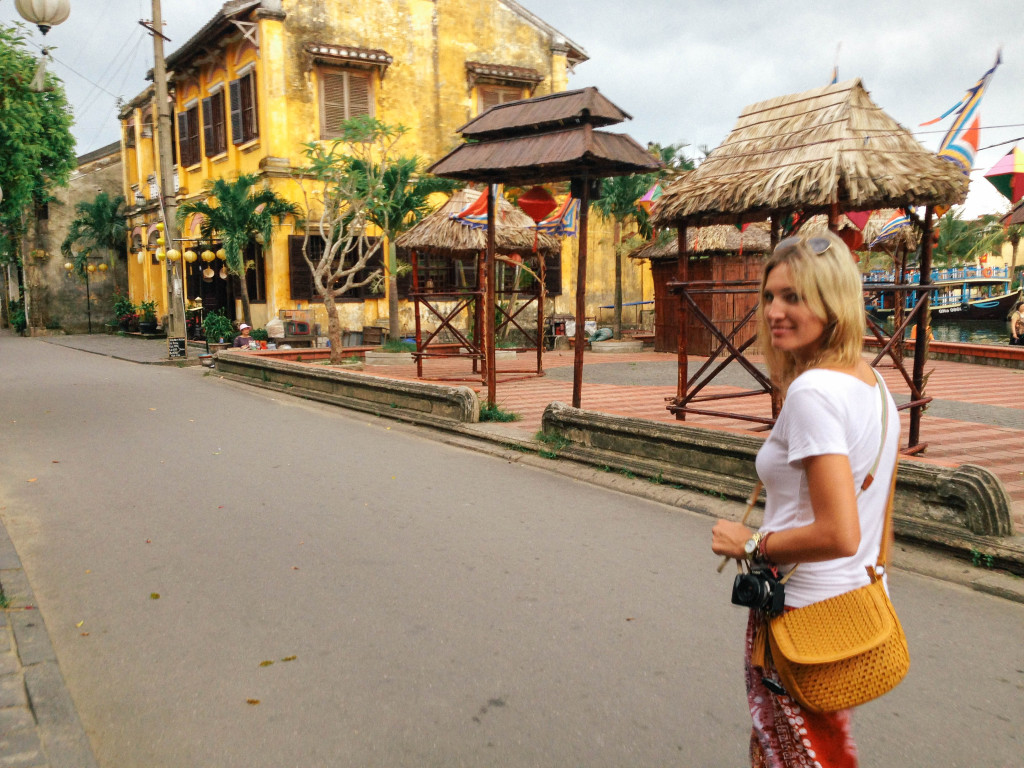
[[683, 69]]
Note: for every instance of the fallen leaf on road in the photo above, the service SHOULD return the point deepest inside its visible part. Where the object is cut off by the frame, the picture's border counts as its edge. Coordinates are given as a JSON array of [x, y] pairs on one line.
[[54, 461], [79, 623], [31, 479], [149, 541], [84, 634], [154, 595], [152, 409], [266, 663], [295, 567], [252, 702], [289, 658]]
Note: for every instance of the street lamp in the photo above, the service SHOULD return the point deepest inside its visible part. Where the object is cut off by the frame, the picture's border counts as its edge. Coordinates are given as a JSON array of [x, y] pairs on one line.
[[88, 270]]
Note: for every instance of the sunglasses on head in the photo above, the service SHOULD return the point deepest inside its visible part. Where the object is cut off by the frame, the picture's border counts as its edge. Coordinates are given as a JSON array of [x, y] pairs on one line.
[[818, 245]]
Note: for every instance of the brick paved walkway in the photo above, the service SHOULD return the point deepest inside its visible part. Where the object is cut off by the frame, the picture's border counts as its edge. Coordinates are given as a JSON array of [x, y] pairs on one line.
[[977, 416]]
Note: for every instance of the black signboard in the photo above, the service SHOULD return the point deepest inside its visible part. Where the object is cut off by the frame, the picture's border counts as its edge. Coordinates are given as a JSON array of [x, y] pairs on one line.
[[176, 348]]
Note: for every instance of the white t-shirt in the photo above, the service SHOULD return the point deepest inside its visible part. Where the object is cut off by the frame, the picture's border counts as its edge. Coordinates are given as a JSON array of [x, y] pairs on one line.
[[828, 412]]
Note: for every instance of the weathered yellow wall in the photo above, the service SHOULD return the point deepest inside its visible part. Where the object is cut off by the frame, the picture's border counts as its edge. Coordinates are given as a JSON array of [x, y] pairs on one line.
[[425, 89]]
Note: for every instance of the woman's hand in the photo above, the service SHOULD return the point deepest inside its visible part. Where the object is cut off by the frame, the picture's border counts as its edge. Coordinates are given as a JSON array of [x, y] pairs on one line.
[[728, 538]]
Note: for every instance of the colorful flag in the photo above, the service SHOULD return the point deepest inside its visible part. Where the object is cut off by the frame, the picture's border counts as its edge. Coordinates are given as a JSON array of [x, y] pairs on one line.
[[891, 228], [474, 215], [960, 143], [562, 223]]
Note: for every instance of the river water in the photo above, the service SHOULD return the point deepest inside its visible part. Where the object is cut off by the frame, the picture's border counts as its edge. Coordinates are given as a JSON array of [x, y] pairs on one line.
[[969, 331]]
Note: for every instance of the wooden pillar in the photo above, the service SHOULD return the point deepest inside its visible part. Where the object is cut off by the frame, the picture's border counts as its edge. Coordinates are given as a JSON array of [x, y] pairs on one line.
[[923, 321], [775, 236], [478, 314], [683, 361], [581, 296], [416, 311], [543, 292], [492, 379]]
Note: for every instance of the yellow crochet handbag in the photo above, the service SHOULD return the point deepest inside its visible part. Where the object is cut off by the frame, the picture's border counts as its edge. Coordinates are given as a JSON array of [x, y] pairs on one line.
[[844, 651]]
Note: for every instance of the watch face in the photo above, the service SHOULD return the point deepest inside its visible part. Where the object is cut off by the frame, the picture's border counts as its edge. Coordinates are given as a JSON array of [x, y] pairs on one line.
[[750, 546]]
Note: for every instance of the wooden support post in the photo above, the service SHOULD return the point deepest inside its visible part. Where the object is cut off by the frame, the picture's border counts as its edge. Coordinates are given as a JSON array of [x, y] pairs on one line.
[[540, 314], [492, 379], [416, 311], [478, 315], [581, 296], [775, 236], [683, 361], [923, 321]]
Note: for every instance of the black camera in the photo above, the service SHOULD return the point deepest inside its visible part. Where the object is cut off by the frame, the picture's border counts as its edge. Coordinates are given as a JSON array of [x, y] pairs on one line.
[[761, 590]]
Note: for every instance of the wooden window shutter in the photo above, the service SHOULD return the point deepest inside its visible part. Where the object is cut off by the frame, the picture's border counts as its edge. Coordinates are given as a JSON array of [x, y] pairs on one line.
[[300, 276], [220, 125], [332, 109], [489, 97], [359, 94], [208, 126], [250, 113], [235, 95], [192, 142]]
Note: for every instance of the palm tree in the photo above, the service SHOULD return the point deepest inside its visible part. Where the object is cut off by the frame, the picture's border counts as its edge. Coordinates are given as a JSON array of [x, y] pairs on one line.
[[618, 202], [401, 201], [241, 214], [97, 224]]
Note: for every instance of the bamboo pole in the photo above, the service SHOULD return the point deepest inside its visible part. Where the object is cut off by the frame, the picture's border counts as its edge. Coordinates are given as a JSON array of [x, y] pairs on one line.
[[683, 363]]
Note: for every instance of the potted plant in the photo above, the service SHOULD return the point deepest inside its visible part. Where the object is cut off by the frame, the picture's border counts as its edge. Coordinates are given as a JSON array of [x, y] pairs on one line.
[[260, 335], [147, 318], [125, 312], [219, 331]]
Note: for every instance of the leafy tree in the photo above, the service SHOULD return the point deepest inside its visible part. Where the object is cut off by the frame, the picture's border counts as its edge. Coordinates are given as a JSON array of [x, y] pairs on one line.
[[238, 212], [618, 203], [36, 141], [954, 243], [97, 224], [400, 203], [357, 183]]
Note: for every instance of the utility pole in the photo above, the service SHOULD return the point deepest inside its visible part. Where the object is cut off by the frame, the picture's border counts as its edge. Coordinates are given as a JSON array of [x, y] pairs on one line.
[[168, 203]]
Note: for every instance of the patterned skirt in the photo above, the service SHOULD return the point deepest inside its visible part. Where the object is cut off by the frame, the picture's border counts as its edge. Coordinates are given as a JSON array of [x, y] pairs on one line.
[[784, 735]]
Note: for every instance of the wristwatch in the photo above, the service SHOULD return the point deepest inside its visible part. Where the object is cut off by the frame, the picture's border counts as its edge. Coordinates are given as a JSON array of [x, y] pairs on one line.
[[751, 547]]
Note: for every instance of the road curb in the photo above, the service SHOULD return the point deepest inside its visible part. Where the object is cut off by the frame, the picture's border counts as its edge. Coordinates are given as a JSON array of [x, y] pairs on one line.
[[42, 720]]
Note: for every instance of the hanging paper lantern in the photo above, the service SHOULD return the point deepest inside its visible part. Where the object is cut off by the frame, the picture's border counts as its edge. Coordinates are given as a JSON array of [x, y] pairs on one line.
[[91, 268], [160, 254], [141, 256], [223, 274], [207, 255], [173, 254], [160, 240], [159, 226], [43, 13], [222, 254], [537, 203], [68, 266], [189, 256], [207, 275], [102, 267]]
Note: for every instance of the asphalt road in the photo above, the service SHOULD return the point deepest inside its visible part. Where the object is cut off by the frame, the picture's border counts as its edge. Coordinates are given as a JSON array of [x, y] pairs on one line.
[[421, 604]]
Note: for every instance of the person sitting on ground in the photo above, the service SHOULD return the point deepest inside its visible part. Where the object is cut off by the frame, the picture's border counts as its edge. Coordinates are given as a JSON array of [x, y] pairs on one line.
[[1017, 325], [243, 339]]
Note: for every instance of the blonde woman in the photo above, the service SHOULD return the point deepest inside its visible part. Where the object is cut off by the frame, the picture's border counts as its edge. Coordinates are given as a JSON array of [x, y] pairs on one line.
[[824, 444]]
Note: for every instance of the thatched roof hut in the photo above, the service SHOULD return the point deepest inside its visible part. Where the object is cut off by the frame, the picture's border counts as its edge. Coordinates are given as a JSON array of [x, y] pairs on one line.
[[808, 151], [717, 238], [439, 233]]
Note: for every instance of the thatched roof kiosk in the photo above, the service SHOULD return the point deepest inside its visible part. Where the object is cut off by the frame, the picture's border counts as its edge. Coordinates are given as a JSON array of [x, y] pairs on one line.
[[824, 151], [439, 234], [538, 141], [447, 267], [725, 254]]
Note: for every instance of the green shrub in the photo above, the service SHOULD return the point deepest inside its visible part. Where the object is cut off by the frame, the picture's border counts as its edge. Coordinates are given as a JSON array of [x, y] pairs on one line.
[[490, 412], [217, 326], [397, 345], [260, 334], [17, 316]]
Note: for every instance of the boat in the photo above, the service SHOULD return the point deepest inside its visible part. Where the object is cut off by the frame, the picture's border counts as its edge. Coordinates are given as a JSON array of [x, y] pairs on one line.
[[962, 293]]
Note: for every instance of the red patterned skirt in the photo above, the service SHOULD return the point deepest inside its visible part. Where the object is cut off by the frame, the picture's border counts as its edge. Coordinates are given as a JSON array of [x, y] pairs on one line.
[[784, 735]]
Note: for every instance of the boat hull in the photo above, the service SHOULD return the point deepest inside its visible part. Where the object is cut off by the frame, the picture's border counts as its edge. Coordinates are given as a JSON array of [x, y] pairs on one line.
[[992, 308]]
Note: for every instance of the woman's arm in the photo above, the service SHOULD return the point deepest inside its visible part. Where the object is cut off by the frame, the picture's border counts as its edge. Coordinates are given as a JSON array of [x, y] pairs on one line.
[[834, 533]]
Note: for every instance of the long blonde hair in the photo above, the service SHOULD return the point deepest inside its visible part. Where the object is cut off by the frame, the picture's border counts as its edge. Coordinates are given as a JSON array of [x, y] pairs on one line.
[[828, 281]]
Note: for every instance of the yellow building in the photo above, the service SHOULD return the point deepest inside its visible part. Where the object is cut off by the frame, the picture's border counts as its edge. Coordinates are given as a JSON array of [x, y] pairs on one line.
[[263, 77]]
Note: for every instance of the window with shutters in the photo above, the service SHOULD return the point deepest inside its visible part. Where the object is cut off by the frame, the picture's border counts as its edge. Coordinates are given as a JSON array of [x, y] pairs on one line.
[[301, 277], [215, 129], [188, 136], [129, 133], [244, 119], [344, 94], [492, 95]]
